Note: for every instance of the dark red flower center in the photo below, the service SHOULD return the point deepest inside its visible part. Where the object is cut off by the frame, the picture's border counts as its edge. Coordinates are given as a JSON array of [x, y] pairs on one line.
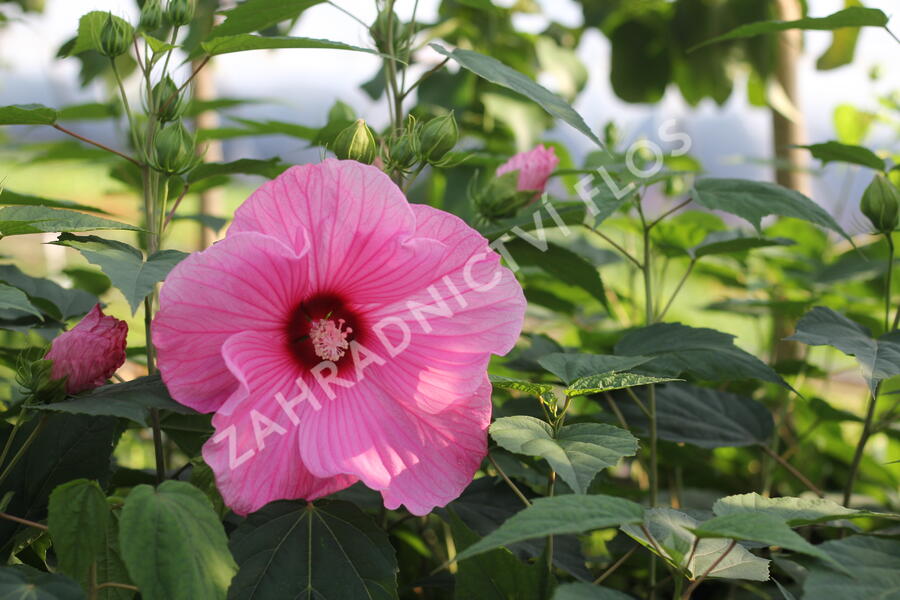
[[321, 328]]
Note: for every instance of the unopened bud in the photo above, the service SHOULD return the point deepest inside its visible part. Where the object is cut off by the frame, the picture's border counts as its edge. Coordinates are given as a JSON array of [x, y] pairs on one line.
[[398, 37], [179, 12], [115, 37], [151, 15], [881, 204], [167, 103], [356, 142], [175, 149], [439, 136]]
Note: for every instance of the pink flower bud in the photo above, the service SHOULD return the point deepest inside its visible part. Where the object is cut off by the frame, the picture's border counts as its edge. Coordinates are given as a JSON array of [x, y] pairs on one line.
[[534, 167], [89, 353]]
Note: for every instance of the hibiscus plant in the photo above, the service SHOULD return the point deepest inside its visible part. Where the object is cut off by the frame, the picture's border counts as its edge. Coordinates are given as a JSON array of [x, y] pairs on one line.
[[443, 360]]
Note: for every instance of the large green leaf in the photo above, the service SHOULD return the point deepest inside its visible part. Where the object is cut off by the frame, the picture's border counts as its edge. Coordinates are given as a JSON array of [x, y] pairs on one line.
[[704, 353], [838, 152], [256, 15], [607, 382], [110, 566], [21, 582], [15, 299], [855, 16], [495, 71], [586, 591], [129, 400], [312, 551], [571, 366], [843, 45], [753, 200], [19, 220], [270, 168], [762, 528], [77, 518], [572, 513], [125, 265], [9, 197], [27, 114], [245, 41], [51, 298], [577, 452], [195, 562], [559, 262], [728, 242], [794, 511], [874, 564], [879, 359], [670, 531], [535, 389], [704, 417]]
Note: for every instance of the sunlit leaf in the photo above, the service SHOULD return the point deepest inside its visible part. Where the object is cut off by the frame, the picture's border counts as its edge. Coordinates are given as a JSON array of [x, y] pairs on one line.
[[846, 153], [27, 114]]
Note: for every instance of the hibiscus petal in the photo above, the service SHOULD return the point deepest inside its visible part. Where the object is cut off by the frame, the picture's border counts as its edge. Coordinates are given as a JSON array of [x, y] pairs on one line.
[[255, 453], [246, 282], [413, 458]]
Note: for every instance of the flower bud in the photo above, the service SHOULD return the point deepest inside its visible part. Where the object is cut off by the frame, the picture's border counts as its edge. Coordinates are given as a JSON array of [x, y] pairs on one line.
[[356, 143], [175, 149], [179, 12], [881, 204], [534, 168], [439, 136], [167, 103], [151, 15], [399, 37], [89, 353], [115, 37]]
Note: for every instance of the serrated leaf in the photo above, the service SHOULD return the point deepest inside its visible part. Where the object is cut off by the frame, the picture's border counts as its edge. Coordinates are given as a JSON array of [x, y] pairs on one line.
[[27, 114], [585, 591], [15, 299], [879, 359], [256, 15], [196, 562], [49, 296], [753, 200], [19, 220], [855, 16], [704, 353], [244, 42], [606, 382], [571, 513], [493, 70], [704, 417], [129, 400], [727, 242], [671, 532], [846, 153], [270, 168], [125, 265], [78, 515], [21, 582], [9, 197], [874, 564], [536, 389], [326, 550], [794, 511], [573, 366], [577, 452]]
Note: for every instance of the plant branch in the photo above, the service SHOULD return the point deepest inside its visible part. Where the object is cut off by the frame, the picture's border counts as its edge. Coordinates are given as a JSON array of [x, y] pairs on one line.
[[424, 76], [677, 288], [615, 245], [698, 581], [861, 446], [22, 521], [792, 470], [175, 206], [122, 586], [615, 566], [24, 448], [508, 481], [59, 127], [678, 207]]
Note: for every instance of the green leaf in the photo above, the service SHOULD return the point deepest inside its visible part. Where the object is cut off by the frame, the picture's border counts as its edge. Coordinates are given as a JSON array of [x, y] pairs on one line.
[[571, 513], [536, 217], [879, 359], [536, 389], [561, 263], [793, 511], [836, 151], [27, 114], [245, 41], [670, 530], [125, 265], [49, 296], [493, 70], [110, 566], [19, 220], [196, 562], [9, 197], [704, 353], [322, 550], [606, 382], [577, 452], [130, 400], [570, 366], [704, 417], [843, 45], [855, 16], [728, 242], [21, 582], [585, 591], [270, 168], [753, 200], [78, 515], [89, 111], [762, 528], [15, 299], [255, 15], [874, 563]]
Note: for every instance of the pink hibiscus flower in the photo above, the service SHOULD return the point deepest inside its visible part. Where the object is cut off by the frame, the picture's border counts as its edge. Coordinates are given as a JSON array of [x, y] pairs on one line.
[[339, 333], [534, 167], [89, 353]]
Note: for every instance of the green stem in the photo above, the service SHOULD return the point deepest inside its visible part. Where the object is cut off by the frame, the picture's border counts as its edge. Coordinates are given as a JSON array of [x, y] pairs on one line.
[[132, 129], [678, 288], [551, 485], [12, 435], [509, 481], [887, 289], [25, 445], [861, 446]]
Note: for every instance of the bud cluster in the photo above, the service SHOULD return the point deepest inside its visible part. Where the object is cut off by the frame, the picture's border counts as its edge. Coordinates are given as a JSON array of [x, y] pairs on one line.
[[175, 150]]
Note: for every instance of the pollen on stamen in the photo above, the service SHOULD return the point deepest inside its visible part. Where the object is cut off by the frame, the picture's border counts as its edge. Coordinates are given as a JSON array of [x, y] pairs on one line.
[[329, 339]]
